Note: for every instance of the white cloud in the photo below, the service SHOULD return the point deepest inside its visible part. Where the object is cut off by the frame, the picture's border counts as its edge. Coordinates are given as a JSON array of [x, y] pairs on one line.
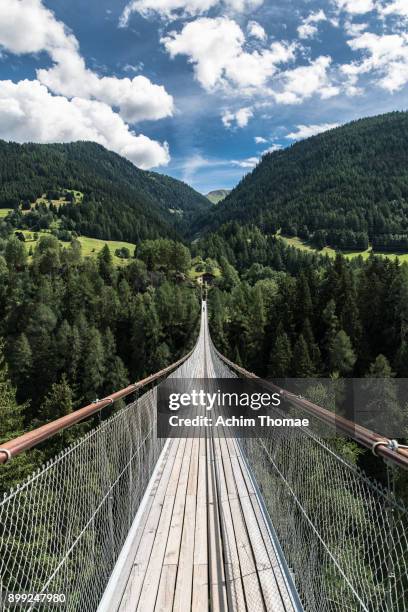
[[354, 29], [355, 7], [384, 56], [138, 99], [29, 112], [304, 81], [260, 140], [308, 27], [397, 7], [305, 131], [240, 117], [256, 30], [249, 162], [29, 27], [272, 149], [172, 9], [216, 49]]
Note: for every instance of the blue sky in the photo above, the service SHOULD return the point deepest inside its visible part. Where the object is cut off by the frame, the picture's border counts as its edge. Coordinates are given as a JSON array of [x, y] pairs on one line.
[[198, 89]]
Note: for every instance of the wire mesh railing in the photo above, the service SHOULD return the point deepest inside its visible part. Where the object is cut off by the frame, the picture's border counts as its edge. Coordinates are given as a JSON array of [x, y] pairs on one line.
[[62, 529], [343, 534]]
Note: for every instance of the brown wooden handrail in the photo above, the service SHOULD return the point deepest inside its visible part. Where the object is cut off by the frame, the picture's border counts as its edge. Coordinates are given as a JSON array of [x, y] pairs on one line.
[[14, 447], [380, 445]]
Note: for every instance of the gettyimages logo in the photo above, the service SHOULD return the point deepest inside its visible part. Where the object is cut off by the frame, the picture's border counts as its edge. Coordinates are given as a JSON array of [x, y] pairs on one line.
[[225, 407], [245, 408]]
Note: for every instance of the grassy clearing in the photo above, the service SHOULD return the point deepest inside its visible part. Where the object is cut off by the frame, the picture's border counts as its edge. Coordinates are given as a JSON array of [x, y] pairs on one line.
[[4, 212], [303, 246], [90, 246], [78, 197]]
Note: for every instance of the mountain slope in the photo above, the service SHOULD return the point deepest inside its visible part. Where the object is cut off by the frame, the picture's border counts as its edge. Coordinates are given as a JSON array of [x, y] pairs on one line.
[[120, 201], [217, 195], [343, 187]]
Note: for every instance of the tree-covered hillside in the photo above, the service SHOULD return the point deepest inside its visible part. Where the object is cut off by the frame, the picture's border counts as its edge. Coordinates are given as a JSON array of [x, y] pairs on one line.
[[345, 188], [120, 202]]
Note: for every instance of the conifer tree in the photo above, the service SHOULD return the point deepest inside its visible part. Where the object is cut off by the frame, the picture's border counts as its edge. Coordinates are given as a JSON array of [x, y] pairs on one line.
[[281, 356], [342, 356], [302, 366]]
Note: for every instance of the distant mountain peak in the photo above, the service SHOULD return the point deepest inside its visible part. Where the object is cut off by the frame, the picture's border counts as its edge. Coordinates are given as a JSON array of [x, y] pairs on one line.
[[217, 195]]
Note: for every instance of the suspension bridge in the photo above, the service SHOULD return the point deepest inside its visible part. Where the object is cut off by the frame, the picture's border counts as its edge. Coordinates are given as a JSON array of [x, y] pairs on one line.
[[124, 520]]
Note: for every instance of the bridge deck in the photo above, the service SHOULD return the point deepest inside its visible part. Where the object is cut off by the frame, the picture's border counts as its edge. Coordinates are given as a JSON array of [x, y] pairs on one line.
[[202, 541]]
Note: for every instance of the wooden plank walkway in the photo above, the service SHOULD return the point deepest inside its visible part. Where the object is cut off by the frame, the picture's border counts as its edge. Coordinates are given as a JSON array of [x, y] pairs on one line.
[[203, 543]]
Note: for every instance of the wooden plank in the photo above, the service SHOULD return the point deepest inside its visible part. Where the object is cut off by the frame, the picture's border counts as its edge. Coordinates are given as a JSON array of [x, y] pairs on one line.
[[277, 589], [131, 595], [184, 583], [167, 582], [200, 601], [152, 576], [200, 570], [251, 585], [218, 595], [173, 544], [271, 594], [235, 593], [165, 594]]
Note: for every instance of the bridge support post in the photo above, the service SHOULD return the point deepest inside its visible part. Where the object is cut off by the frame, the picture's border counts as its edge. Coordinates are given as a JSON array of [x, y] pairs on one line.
[[390, 468]]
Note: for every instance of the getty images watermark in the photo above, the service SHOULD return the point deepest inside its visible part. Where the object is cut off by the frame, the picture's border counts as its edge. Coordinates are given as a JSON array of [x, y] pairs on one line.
[[239, 407], [227, 407]]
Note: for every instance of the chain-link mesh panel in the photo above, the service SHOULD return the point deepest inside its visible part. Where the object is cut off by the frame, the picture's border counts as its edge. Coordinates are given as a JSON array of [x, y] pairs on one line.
[[62, 529], [344, 536]]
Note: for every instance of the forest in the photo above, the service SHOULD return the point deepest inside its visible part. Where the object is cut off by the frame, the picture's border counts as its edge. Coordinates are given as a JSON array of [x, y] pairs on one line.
[[345, 188], [120, 201], [75, 329]]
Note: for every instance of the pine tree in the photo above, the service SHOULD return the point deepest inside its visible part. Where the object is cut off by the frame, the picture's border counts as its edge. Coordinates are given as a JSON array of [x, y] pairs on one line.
[[281, 356], [12, 426], [342, 356], [105, 265], [313, 348], [15, 254], [93, 367], [115, 374], [302, 366], [381, 409], [21, 361], [57, 402]]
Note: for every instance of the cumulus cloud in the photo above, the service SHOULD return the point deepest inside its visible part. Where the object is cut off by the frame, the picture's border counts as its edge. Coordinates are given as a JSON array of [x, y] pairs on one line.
[[137, 99], [385, 56], [354, 29], [249, 162], [397, 7], [29, 112], [308, 27], [239, 117], [173, 9], [272, 149], [256, 30], [29, 27], [355, 7], [216, 49], [260, 140], [304, 81], [305, 131]]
